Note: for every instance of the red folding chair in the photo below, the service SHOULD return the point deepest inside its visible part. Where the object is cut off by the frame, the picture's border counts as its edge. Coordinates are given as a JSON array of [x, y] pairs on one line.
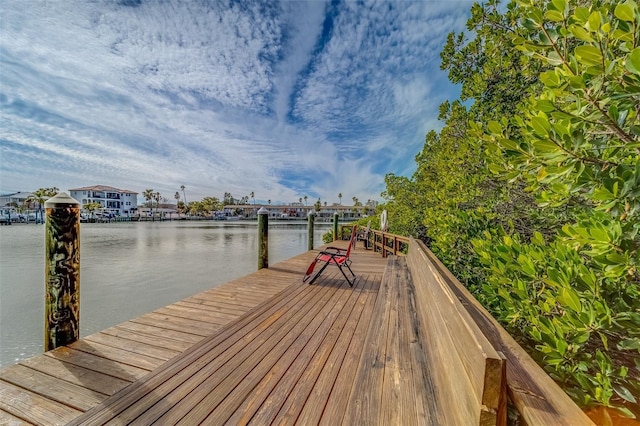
[[333, 256]]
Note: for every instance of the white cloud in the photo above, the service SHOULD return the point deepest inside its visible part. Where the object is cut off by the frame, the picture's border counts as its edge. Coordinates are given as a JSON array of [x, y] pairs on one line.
[[221, 97]]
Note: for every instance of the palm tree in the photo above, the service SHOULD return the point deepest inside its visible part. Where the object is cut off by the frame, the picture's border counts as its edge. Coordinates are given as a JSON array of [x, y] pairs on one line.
[[300, 200], [252, 195], [269, 202], [148, 195], [340, 198], [184, 197], [156, 196], [40, 196], [305, 200]]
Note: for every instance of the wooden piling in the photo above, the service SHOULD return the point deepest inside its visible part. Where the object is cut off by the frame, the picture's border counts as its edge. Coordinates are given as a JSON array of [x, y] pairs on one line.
[[335, 227], [62, 271], [310, 225], [263, 238]]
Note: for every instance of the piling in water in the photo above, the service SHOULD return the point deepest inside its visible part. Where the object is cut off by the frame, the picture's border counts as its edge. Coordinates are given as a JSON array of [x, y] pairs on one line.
[[311, 219], [335, 227], [62, 271], [263, 238]]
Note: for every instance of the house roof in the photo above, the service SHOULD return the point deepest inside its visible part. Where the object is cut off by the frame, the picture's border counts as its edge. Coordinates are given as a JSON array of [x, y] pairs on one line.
[[103, 188], [16, 195]]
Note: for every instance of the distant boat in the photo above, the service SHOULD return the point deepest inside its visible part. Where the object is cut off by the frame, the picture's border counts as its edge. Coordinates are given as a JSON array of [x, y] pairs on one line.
[[233, 217]]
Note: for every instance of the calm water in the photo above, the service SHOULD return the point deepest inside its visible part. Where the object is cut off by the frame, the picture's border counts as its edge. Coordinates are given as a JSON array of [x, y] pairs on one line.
[[128, 269]]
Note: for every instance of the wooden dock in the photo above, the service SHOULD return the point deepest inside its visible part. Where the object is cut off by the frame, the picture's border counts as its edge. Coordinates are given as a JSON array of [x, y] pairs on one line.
[[59, 386], [405, 345]]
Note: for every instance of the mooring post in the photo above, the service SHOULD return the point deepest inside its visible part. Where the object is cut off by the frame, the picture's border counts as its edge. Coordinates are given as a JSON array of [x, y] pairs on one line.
[[263, 238], [335, 226], [62, 271], [311, 219]]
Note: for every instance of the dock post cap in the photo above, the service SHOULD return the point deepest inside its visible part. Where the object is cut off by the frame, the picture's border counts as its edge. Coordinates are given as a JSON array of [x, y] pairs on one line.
[[60, 198], [335, 214], [312, 212], [263, 211]]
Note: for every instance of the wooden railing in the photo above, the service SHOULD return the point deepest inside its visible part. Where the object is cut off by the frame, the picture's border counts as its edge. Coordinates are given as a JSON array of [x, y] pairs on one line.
[[384, 243]]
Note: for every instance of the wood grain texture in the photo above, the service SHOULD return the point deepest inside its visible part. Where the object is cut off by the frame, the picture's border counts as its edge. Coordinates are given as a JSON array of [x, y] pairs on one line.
[[535, 395]]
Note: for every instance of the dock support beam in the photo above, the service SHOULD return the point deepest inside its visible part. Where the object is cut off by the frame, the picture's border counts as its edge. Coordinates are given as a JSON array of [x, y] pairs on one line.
[[62, 271], [263, 238], [335, 226], [311, 219]]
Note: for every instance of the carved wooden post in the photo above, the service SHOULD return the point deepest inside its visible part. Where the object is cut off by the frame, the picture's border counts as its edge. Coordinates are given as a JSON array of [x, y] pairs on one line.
[[263, 238], [335, 226], [62, 271], [311, 219]]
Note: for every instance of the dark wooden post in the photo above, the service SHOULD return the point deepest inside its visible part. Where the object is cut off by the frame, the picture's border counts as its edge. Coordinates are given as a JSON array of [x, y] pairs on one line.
[[62, 271], [263, 238], [310, 225], [335, 226]]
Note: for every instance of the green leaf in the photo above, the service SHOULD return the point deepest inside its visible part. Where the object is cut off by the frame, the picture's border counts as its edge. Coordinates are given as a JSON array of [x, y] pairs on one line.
[[550, 79], [633, 61], [624, 12], [569, 298], [545, 105], [554, 16], [494, 127], [560, 5], [593, 23], [589, 55], [580, 33], [540, 124], [581, 14], [624, 393]]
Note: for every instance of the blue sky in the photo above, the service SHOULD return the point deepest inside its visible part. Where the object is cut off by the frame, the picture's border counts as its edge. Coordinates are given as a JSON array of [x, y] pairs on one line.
[[285, 100]]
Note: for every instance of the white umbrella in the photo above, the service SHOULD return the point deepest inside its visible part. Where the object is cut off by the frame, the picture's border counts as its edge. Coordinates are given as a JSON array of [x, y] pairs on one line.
[[384, 222]]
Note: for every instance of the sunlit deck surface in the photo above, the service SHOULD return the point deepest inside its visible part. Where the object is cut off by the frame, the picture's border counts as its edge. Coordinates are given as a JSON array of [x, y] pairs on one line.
[[262, 349]]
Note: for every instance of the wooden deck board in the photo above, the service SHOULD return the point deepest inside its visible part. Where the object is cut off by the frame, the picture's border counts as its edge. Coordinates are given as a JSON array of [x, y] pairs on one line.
[[92, 380]]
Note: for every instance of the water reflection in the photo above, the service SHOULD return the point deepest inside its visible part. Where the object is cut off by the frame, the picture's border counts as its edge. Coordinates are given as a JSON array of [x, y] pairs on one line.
[[128, 269]]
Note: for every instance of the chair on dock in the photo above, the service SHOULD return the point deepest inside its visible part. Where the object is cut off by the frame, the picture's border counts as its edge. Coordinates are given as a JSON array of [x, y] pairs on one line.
[[335, 256]]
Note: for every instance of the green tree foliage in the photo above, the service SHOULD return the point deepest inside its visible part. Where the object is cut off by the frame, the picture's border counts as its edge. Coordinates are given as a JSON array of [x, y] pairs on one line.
[[529, 193], [577, 143]]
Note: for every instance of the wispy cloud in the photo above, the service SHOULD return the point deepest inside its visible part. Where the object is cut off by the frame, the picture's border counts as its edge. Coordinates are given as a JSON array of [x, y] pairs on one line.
[[283, 99]]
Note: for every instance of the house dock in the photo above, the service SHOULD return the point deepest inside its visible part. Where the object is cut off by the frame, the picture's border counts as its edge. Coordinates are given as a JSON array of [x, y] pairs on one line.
[[269, 349]]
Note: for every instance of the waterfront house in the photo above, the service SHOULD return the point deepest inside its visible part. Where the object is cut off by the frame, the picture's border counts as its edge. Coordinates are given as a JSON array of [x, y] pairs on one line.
[[13, 199], [116, 201]]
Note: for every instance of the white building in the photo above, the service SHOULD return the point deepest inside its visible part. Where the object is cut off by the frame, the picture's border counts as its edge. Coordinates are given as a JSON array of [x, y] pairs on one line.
[[113, 200], [13, 199]]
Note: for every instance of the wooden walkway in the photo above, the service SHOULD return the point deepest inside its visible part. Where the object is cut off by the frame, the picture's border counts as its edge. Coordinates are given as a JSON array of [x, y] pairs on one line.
[[290, 353]]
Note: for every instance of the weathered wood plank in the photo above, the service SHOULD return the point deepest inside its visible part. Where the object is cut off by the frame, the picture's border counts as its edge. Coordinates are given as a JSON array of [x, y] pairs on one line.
[[158, 340], [171, 322], [205, 319], [136, 347], [152, 331], [256, 357], [97, 363], [339, 396], [51, 387], [32, 407], [190, 361], [366, 392], [296, 373], [536, 396], [119, 355], [230, 354], [323, 387], [7, 419], [79, 376], [308, 399]]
